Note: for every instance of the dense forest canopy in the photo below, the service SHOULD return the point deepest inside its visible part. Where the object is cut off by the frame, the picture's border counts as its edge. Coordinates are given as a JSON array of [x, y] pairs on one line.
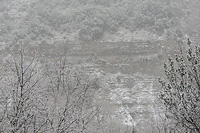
[[88, 20]]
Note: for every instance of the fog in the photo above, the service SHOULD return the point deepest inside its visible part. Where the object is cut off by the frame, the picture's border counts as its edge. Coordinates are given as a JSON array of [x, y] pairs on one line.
[[96, 63]]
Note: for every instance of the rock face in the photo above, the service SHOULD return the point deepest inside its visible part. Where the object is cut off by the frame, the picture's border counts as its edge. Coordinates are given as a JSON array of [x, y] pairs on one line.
[[124, 57]]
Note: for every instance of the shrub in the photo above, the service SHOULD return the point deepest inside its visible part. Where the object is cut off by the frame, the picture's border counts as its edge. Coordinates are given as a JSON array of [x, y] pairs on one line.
[[181, 90]]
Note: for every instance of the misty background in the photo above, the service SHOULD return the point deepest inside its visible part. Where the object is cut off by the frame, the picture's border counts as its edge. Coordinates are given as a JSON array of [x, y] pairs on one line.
[[120, 44]]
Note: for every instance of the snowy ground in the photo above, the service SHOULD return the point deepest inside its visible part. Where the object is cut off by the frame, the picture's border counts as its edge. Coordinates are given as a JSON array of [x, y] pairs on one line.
[[132, 106]]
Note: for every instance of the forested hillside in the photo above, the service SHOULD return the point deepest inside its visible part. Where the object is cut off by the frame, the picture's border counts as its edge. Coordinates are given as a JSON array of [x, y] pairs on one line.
[[30, 22]]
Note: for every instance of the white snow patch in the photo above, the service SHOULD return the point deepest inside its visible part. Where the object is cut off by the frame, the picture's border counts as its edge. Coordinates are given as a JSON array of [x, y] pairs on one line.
[[127, 119], [124, 35]]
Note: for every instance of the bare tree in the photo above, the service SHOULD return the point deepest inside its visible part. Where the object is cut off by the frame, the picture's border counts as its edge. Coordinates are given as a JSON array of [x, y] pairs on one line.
[[181, 89], [72, 96], [21, 98], [53, 97]]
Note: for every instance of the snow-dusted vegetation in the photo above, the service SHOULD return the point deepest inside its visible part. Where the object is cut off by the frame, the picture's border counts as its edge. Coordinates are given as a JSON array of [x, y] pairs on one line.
[[30, 22], [181, 93], [92, 66]]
